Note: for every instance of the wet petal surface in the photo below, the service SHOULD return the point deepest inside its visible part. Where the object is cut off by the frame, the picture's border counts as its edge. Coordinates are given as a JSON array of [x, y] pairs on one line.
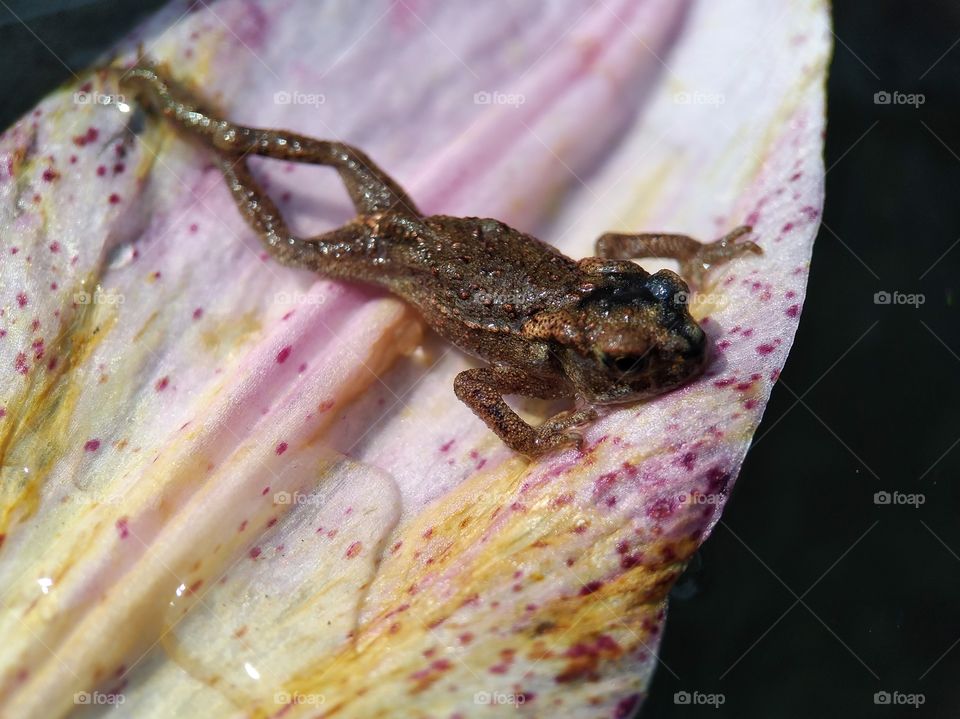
[[232, 488]]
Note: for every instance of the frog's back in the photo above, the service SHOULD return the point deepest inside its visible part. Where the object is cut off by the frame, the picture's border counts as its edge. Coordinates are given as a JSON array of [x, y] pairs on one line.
[[481, 271]]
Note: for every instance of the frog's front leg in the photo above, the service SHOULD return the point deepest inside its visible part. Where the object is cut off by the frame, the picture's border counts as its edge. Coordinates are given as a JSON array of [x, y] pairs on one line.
[[695, 257], [482, 390]]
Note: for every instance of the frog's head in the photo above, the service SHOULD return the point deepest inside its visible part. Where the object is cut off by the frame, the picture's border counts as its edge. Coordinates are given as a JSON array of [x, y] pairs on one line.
[[629, 337]]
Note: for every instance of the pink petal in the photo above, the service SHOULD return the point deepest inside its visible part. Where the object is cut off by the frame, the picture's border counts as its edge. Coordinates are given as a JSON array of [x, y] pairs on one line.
[[188, 562]]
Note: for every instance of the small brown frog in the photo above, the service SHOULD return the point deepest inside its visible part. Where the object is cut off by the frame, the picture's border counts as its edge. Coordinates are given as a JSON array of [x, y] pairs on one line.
[[601, 330]]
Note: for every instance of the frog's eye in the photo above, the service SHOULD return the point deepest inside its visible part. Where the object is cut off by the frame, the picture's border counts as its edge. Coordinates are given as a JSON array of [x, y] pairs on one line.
[[627, 364]]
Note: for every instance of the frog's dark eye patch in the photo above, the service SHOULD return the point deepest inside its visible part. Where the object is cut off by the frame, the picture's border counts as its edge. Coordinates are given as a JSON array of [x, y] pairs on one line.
[[627, 363], [664, 288], [618, 295]]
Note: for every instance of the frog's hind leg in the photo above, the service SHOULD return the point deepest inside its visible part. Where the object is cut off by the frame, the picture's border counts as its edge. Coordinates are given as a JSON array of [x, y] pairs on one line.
[[695, 257], [328, 253], [371, 189]]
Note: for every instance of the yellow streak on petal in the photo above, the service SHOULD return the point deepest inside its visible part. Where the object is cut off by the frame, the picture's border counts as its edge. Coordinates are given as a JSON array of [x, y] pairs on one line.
[[40, 416], [192, 518], [441, 581]]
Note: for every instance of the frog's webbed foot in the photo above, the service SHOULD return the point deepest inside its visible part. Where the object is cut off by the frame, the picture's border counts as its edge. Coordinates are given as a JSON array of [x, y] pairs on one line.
[[718, 252], [696, 258], [553, 433], [482, 390]]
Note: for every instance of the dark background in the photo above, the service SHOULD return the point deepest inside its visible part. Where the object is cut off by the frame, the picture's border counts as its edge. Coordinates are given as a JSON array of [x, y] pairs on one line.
[[809, 597], [838, 597]]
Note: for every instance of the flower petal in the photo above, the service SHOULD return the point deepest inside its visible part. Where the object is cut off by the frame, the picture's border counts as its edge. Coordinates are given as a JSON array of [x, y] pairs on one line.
[[177, 531]]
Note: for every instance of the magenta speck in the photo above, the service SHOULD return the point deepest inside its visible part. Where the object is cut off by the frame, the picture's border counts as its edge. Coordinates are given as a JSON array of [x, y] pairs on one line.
[[590, 588], [281, 448]]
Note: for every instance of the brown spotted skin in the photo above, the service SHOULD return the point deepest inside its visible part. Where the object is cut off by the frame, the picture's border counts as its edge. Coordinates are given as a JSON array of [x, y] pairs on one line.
[[600, 331]]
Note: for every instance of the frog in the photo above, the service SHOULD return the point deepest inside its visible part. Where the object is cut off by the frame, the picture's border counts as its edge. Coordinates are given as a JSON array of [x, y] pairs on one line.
[[596, 332]]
